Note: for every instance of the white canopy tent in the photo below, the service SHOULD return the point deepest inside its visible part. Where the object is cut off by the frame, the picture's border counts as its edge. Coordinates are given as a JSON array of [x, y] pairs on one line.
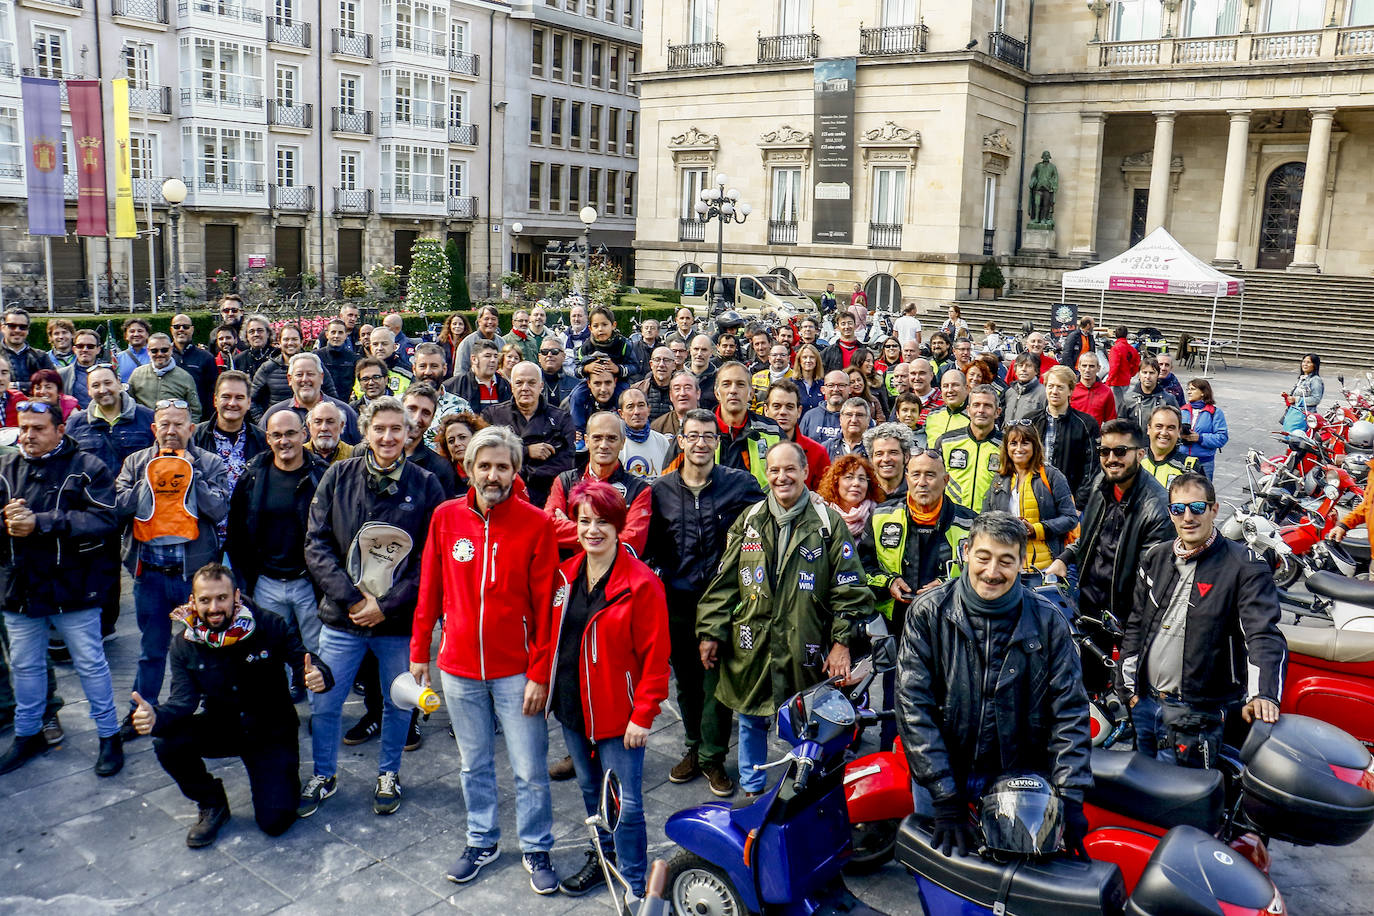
[[1159, 264]]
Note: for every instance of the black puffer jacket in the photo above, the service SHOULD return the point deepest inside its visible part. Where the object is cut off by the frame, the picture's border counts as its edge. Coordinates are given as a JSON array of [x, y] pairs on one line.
[[1041, 706], [1232, 646], [1147, 523], [687, 531], [617, 350], [660, 401]]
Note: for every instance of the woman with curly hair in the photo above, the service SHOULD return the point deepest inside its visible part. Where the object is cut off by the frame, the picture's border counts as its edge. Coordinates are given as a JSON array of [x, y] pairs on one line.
[[851, 486], [451, 337], [454, 432]]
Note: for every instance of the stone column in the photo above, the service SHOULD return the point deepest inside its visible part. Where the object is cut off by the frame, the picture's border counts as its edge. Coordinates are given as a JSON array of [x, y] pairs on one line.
[[1232, 191], [1160, 173], [1087, 184], [1313, 191]]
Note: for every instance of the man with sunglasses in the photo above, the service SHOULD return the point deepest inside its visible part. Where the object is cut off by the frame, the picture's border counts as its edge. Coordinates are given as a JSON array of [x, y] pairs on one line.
[[1125, 515], [231, 311], [558, 385], [656, 384], [197, 361], [162, 379], [86, 353], [24, 360], [1204, 638]]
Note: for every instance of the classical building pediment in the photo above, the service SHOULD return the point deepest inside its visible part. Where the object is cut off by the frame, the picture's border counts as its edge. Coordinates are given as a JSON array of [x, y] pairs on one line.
[[890, 143], [694, 147], [996, 151], [785, 145]]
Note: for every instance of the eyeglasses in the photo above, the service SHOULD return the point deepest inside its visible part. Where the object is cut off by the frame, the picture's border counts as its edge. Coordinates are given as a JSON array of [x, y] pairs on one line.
[[1116, 451], [181, 327], [700, 437], [158, 350], [289, 434], [550, 352], [34, 407], [370, 378], [1024, 421], [178, 403], [86, 346], [1197, 507], [16, 326]]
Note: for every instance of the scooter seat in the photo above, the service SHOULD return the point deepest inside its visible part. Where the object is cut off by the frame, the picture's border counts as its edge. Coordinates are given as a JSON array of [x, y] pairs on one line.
[[1157, 793], [1346, 646], [1341, 588]]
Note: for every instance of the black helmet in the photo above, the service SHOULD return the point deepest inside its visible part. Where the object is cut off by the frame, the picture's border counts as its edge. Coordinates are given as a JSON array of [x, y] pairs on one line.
[[1022, 816], [729, 321]]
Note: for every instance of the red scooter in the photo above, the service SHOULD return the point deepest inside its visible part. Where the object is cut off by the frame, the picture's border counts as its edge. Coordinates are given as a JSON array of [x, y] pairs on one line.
[[1330, 673]]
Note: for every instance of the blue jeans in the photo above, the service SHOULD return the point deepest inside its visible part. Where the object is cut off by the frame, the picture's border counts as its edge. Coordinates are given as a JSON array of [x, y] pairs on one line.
[[1146, 716], [294, 601], [155, 595], [28, 667], [631, 841], [474, 706], [753, 751], [343, 652]]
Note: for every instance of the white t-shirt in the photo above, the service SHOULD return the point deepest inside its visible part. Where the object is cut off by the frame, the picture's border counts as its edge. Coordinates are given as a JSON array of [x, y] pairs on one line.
[[906, 327], [645, 460]]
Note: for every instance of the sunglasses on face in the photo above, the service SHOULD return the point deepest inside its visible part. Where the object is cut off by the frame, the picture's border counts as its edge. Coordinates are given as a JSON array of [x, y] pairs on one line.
[[1197, 507], [86, 346], [16, 326], [550, 352], [1116, 451], [181, 327], [157, 350]]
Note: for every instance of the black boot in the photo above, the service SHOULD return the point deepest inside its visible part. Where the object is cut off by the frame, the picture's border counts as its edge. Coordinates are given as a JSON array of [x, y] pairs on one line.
[[111, 758], [207, 826], [588, 879], [24, 749]]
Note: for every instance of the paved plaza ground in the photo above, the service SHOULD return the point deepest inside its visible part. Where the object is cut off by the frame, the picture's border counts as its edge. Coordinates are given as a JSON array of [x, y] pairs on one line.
[[71, 843]]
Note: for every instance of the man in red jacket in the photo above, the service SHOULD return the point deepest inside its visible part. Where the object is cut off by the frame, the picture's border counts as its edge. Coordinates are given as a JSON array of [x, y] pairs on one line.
[[494, 657], [1123, 362], [1091, 396]]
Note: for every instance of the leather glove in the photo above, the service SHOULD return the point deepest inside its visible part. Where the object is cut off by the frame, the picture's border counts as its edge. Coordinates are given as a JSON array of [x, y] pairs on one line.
[[952, 827], [1075, 828]]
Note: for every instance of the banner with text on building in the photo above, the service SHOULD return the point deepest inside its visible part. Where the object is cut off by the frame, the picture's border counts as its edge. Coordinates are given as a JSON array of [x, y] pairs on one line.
[[43, 138], [126, 219], [88, 134], [833, 197]]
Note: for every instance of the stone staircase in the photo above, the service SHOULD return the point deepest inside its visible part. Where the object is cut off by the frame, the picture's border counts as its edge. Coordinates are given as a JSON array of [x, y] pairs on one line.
[[1285, 315]]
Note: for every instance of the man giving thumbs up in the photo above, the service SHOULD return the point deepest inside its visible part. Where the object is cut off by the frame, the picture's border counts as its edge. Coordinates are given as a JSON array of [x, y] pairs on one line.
[[234, 661]]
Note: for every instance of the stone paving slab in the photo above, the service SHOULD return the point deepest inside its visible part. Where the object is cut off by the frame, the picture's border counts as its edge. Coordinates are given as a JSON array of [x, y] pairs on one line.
[[71, 843]]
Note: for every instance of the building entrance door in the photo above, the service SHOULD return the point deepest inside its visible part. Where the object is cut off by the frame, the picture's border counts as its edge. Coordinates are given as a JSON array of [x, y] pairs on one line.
[[1140, 210], [1279, 221]]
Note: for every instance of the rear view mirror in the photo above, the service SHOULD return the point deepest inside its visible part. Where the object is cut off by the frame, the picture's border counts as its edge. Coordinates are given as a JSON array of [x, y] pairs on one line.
[[608, 812]]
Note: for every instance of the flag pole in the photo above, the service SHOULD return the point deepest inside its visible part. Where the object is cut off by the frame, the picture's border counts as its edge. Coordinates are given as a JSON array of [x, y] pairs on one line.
[[95, 288], [47, 263], [133, 296]]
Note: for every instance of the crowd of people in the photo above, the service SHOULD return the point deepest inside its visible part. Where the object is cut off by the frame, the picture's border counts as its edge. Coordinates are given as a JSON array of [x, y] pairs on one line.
[[585, 515]]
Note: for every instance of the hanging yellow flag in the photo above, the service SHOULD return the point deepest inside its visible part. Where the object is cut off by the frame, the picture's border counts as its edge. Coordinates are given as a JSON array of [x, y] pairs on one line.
[[126, 221]]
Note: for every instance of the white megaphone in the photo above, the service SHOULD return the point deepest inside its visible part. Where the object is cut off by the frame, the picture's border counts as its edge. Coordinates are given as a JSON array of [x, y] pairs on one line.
[[407, 694]]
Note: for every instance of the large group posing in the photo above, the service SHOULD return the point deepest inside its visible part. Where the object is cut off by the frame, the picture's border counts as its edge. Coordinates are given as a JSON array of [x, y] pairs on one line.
[[585, 515]]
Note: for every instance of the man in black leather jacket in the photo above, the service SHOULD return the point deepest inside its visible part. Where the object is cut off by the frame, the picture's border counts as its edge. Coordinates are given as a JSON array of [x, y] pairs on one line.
[[984, 629], [1126, 514]]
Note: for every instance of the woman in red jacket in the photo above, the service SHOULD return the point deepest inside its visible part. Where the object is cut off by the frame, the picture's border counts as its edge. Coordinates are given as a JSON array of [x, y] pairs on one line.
[[1123, 362], [609, 672]]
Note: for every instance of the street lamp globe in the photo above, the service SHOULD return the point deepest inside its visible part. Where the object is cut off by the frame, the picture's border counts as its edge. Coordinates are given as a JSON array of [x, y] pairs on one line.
[[746, 209], [721, 180], [174, 190], [517, 228], [701, 208], [588, 215]]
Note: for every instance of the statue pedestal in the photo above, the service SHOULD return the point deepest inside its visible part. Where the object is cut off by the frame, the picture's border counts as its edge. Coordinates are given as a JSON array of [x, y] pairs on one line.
[[1039, 241]]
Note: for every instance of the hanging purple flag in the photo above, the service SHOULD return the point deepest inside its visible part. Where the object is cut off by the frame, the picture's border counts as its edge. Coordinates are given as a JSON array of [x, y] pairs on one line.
[[43, 138]]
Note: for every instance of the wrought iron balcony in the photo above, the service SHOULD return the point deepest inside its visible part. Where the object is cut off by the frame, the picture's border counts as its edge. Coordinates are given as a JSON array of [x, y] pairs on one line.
[[691, 230], [283, 114], [205, 96], [462, 208], [778, 48], [435, 46], [221, 8], [350, 201], [782, 232], [465, 64], [392, 119], [149, 189], [354, 44], [352, 120], [231, 185], [463, 134], [989, 238], [149, 10], [412, 196], [887, 236], [292, 32], [691, 57], [69, 185], [893, 39], [291, 197], [1005, 48], [151, 99]]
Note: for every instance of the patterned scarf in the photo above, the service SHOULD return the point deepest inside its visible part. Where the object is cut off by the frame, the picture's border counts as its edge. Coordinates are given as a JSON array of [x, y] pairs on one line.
[[1183, 553], [197, 631]]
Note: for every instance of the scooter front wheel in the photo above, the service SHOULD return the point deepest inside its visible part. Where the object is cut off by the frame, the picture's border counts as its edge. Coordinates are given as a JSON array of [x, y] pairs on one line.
[[698, 888], [874, 843]]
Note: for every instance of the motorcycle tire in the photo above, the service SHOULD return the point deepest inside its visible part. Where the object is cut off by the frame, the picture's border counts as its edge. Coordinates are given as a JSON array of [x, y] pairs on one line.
[[1287, 574], [874, 843], [695, 887]]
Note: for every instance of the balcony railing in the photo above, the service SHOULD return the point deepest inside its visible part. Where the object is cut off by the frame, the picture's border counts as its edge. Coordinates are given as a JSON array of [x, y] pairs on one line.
[[231, 185], [221, 8], [74, 4], [151, 99], [291, 197], [989, 240], [690, 229], [778, 48], [149, 189], [349, 201], [392, 119], [465, 64], [149, 10], [1128, 54], [462, 208], [1354, 42], [1007, 49], [286, 114], [205, 96], [69, 185], [436, 47], [352, 121], [887, 236], [893, 39], [288, 32], [7, 68], [354, 44], [463, 134], [691, 57], [1286, 45], [11, 171], [411, 196], [1205, 51], [782, 232]]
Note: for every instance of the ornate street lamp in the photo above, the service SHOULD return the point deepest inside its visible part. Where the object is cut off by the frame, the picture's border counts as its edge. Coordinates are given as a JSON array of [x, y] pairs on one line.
[[174, 192], [723, 206]]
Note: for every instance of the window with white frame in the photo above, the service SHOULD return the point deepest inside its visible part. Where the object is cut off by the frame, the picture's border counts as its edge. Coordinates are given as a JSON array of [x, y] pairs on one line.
[[898, 12], [613, 130], [693, 181], [575, 110], [889, 197], [226, 159], [288, 160], [610, 10], [786, 204], [458, 36], [631, 68], [559, 40], [8, 44], [457, 108], [574, 188], [555, 122], [593, 187], [348, 17], [613, 69], [536, 199], [226, 72], [51, 51], [578, 75], [350, 92], [629, 17], [537, 119], [145, 155], [989, 203], [416, 173], [415, 26], [631, 127], [556, 188], [285, 79], [1134, 20], [794, 17], [594, 129], [590, 9], [598, 53], [702, 21], [350, 167], [140, 64], [285, 10], [1295, 15], [537, 52], [457, 179], [11, 145], [1204, 18]]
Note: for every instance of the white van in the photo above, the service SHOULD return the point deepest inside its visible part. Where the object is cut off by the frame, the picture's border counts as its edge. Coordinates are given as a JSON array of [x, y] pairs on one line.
[[752, 295]]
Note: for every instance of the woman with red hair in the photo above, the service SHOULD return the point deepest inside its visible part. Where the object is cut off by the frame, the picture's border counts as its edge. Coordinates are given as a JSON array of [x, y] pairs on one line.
[[851, 486], [46, 386], [610, 672]]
